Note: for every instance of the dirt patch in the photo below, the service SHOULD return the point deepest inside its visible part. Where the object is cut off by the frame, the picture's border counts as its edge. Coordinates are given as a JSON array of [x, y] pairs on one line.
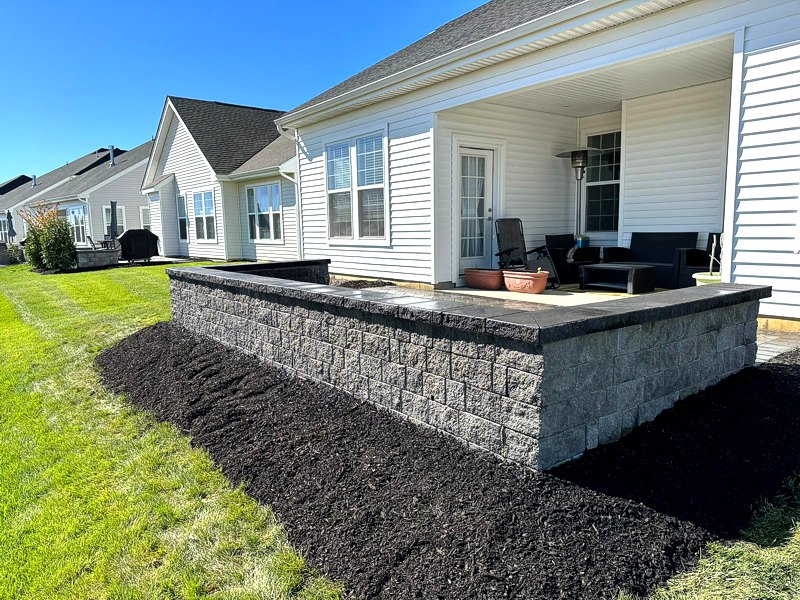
[[401, 512], [360, 284]]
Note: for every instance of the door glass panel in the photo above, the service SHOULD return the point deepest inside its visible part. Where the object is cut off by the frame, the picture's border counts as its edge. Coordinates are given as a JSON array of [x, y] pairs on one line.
[[473, 204]]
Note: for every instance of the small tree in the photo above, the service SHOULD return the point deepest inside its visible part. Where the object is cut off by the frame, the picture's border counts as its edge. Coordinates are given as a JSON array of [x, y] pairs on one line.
[[49, 244]]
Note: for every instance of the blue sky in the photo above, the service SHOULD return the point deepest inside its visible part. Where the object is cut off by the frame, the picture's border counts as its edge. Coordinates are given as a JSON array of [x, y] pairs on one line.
[[81, 75]]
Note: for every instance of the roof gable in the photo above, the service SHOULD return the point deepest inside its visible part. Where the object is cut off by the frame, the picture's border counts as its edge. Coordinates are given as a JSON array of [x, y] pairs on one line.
[[226, 134], [483, 22]]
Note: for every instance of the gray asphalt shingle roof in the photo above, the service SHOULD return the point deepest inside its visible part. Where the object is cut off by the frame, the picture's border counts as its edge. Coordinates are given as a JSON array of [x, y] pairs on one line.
[[101, 172], [273, 155], [227, 134], [13, 183], [485, 21], [75, 167]]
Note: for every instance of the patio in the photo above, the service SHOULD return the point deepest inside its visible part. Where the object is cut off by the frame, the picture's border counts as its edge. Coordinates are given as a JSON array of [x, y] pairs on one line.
[[660, 123]]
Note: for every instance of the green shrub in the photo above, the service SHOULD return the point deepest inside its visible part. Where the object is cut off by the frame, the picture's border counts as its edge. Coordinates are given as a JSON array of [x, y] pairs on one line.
[[51, 240], [33, 249], [15, 255]]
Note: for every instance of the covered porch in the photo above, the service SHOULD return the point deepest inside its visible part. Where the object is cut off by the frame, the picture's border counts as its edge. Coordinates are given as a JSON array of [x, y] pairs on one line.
[[659, 121]]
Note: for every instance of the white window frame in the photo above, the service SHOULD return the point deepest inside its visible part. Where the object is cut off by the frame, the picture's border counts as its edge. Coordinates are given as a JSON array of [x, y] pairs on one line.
[[271, 240], [107, 223], [205, 216], [4, 231], [356, 239], [586, 184], [178, 218], [74, 228], [141, 218]]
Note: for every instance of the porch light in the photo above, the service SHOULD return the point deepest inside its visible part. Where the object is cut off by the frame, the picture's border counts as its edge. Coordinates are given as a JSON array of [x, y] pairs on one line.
[[579, 159]]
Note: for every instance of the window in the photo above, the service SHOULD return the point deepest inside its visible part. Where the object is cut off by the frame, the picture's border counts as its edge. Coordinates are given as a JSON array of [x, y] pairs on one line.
[[204, 223], [120, 220], [183, 219], [602, 182], [355, 170], [4, 230], [76, 218], [264, 212], [144, 217]]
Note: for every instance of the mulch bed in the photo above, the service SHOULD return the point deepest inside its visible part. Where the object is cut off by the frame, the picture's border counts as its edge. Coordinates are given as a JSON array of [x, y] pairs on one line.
[[400, 512], [360, 284]]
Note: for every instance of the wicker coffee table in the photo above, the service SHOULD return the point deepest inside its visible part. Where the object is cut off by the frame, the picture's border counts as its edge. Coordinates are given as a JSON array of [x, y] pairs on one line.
[[623, 277]]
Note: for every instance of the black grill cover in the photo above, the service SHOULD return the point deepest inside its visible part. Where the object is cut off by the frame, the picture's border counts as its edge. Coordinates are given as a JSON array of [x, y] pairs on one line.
[[138, 244]]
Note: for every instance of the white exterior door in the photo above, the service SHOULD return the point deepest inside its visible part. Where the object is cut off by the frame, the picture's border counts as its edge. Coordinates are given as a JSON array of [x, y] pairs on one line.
[[475, 209]]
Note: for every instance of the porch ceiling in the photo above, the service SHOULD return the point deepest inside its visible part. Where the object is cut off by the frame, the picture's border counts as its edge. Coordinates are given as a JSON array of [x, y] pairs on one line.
[[603, 91]]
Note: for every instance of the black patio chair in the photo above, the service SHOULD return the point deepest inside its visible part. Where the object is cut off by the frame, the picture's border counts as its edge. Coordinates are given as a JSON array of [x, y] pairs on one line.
[[559, 247], [513, 255], [694, 260]]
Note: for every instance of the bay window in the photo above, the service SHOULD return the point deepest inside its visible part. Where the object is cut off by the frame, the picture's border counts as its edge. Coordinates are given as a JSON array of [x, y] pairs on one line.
[[204, 217], [355, 171], [264, 217]]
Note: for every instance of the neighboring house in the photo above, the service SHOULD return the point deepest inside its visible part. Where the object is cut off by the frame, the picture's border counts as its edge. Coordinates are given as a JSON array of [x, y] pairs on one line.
[[220, 182], [695, 104], [84, 199], [14, 183], [36, 189]]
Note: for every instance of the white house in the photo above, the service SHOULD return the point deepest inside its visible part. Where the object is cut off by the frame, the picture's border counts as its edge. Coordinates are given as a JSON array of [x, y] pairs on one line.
[[696, 104], [83, 190], [220, 183]]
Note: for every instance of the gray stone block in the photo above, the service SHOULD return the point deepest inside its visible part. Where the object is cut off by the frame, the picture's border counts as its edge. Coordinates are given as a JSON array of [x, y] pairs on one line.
[[624, 368], [456, 393], [438, 362], [520, 448], [499, 379], [750, 352], [414, 380], [415, 407], [525, 387], [434, 387], [394, 374], [444, 418], [650, 410], [484, 404], [376, 346], [477, 373], [520, 417], [562, 447], [630, 339], [414, 356], [480, 432]]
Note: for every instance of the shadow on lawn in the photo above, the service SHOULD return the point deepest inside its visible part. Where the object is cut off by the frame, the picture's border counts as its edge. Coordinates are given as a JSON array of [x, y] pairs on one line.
[[714, 457]]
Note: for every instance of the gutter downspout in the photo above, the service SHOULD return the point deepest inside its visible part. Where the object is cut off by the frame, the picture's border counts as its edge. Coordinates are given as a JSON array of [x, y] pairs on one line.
[[298, 195]]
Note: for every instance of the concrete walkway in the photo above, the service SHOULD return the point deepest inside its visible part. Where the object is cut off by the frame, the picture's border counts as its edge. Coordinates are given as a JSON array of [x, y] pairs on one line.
[[772, 343]]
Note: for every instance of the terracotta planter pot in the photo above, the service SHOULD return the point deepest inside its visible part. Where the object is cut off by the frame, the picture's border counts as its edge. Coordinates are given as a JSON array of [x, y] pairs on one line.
[[526, 282], [484, 279]]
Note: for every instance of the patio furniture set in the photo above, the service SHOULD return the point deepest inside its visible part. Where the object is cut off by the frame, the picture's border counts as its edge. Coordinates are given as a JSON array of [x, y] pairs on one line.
[[653, 260]]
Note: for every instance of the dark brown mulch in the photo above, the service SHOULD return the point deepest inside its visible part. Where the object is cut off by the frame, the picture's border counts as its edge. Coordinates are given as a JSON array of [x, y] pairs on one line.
[[360, 284], [400, 512]]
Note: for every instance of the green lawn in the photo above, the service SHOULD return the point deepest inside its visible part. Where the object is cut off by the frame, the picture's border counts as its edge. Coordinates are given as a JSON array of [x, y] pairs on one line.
[[96, 499], [100, 501]]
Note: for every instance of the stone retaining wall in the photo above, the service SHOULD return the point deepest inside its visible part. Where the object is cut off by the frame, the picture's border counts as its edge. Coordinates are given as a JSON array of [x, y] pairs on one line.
[[537, 388], [96, 258]]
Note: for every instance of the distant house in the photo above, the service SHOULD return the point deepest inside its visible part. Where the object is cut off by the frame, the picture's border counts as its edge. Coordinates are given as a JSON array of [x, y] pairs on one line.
[[220, 182], [694, 105], [14, 183], [82, 192]]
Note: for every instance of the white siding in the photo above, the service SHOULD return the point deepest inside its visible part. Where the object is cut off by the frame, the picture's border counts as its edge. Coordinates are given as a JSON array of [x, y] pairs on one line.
[[408, 255], [537, 187], [270, 251], [674, 161], [767, 211], [126, 191], [232, 219], [181, 156], [155, 221]]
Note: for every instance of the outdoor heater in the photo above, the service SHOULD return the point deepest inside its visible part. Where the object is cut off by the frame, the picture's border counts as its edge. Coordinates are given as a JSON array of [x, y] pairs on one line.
[[579, 159]]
